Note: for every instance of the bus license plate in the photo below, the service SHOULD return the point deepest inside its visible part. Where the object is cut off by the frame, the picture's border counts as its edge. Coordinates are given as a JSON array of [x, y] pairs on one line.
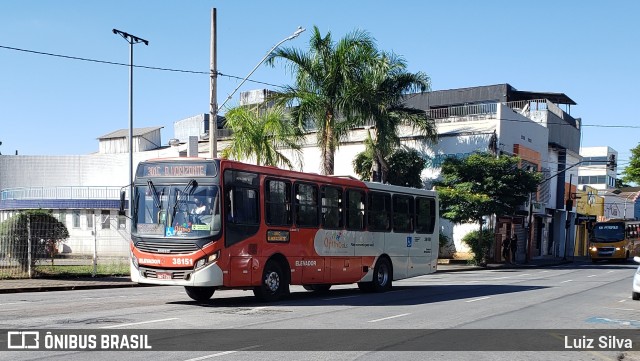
[[164, 275]]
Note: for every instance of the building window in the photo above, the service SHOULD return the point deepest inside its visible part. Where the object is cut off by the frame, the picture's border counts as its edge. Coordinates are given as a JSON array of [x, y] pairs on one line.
[[75, 218], [89, 217], [62, 217], [122, 222], [105, 219]]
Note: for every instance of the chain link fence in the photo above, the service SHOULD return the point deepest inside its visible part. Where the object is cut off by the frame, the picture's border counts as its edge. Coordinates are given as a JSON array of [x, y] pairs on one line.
[[71, 243]]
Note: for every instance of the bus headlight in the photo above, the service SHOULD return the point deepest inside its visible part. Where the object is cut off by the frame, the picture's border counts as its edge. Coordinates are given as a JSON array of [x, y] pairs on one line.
[[594, 249], [206, 260], [618, 248], [134, 260]]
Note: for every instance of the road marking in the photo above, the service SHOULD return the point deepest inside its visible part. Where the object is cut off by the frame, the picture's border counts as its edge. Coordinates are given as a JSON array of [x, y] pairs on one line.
[[140, 323], [566, 281], [388, 318], [252, 310], [500, 278], [222, 353], [621, 309], [13, 303], [591, 276], [478, 299], [622, 301], [524, 274], [472, 281], [544, 271]]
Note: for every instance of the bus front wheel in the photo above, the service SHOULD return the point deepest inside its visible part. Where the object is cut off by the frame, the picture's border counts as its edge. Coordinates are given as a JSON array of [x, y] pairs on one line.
[[200, 294], [274, 283]]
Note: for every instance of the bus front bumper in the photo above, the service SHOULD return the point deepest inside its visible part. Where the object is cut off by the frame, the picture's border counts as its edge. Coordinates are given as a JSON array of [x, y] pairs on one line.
[[607, 252], [207, 276]]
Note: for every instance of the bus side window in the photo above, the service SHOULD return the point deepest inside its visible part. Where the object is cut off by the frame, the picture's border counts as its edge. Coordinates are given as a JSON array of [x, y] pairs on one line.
[[425, 214], [278, 202], [355, 210], [306, 198], [331, 207], [379, 211]]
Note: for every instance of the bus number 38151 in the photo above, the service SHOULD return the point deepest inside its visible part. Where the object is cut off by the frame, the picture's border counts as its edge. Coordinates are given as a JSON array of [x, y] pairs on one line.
[[182, 261]]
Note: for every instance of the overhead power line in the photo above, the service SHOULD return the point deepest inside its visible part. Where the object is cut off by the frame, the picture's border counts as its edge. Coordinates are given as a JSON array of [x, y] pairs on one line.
[[135, 66], [250, 80]]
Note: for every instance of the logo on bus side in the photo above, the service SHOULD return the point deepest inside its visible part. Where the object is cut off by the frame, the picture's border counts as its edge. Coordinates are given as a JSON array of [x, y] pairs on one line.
[[305, 263]]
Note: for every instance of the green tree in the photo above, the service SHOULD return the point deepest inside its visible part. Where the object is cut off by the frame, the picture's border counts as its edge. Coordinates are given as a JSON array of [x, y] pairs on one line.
[[44, 230], [481, 185], [326, 90], [384, 86], [631, 173], [261, 133], [405, 167]]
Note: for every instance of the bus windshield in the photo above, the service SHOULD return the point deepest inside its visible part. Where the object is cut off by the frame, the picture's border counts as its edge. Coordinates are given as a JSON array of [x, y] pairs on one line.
[[176, 210], [608, 232]]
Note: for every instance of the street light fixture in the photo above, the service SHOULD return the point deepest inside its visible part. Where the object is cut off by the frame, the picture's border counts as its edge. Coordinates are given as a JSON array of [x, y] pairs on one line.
[[214, 115], [131, 39]]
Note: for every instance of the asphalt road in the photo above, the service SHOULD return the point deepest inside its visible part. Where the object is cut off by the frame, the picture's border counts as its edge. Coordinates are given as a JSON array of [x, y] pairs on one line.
[[582, 296]]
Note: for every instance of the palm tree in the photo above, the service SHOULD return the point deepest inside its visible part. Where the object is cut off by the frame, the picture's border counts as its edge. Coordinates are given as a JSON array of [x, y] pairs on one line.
[[384, 87], [261, 133], [326, 86]]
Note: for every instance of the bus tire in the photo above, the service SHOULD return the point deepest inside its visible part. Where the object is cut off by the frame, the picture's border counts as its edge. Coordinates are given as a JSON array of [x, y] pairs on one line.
[[382, 276], [317, 287], [200, 294], [635, 296], [274, 283]]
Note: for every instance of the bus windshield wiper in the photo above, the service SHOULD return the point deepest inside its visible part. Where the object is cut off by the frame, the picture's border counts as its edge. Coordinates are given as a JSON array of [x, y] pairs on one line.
[[156, 199], [188, 189]]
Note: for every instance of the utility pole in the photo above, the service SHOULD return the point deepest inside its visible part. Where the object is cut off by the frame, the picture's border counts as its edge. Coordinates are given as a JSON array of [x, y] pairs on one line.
[[213, 104], [131, 39]]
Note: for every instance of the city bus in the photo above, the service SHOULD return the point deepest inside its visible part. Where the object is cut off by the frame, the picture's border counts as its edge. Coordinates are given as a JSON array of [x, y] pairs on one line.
[[210, 224], [614, 240]]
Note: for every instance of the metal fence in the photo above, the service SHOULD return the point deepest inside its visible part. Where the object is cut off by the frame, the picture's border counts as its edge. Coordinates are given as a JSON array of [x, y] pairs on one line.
[[35, 243]]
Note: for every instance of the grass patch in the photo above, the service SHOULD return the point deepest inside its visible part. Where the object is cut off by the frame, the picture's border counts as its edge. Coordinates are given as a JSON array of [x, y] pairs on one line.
[[102, 270]]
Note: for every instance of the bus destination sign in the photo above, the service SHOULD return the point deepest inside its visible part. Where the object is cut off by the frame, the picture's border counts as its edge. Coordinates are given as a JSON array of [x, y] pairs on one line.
[[176, 170]]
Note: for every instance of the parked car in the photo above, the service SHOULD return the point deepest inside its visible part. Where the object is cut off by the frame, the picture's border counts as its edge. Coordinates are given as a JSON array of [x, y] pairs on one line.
[[636, 282]]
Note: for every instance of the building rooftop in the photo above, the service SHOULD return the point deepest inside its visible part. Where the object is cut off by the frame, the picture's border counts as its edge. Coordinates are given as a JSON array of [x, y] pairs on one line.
[[123, 133]]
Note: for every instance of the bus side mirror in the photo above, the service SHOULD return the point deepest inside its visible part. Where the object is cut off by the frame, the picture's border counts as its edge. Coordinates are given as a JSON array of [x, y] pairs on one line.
[[121, 211]]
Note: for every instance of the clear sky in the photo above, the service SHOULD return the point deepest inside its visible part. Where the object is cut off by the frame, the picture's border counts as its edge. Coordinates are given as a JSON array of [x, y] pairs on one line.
[[588, 50]]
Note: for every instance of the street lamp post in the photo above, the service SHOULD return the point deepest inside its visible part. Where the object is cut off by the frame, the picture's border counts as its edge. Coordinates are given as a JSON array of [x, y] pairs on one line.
[[215, 113], [131, 39]]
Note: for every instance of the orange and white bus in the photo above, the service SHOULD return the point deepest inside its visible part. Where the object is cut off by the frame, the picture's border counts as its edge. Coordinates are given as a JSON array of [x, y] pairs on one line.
[[219, 224]]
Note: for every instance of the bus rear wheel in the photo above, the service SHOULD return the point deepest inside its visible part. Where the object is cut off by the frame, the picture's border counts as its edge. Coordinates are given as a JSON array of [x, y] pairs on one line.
[[635, 296], [317, 287], [200, 294], [274, 283]]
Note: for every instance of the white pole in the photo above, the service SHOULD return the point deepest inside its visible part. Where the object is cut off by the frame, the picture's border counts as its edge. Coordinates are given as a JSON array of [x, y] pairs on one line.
[[95, 246]]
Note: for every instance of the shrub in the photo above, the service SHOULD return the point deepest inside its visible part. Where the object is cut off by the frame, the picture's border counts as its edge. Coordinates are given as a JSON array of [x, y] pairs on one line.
[[479, 247]]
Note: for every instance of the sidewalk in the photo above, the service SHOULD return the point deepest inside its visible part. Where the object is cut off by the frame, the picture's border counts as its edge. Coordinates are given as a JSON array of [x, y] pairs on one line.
[[67, 284], [445, 265]]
